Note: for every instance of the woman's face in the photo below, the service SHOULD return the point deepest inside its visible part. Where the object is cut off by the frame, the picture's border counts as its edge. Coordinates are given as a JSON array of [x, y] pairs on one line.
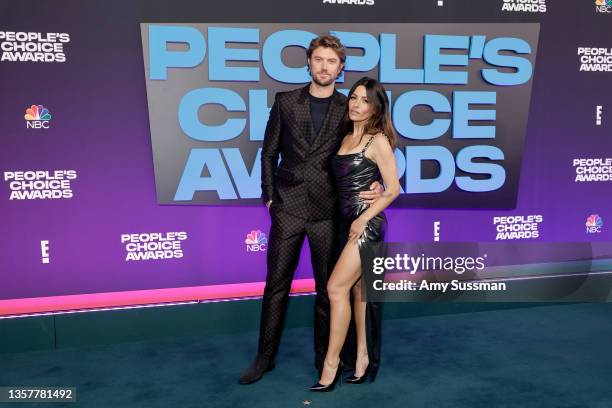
[[360, 108]]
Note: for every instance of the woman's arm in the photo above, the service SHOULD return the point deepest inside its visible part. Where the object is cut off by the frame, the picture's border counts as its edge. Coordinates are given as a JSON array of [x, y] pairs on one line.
[[382, 154]]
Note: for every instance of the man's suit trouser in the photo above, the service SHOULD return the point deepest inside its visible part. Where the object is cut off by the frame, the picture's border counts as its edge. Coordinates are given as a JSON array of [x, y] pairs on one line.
[[285, 242]]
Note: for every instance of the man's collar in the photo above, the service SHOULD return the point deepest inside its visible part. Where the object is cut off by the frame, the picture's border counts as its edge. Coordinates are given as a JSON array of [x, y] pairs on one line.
[[306, 90]]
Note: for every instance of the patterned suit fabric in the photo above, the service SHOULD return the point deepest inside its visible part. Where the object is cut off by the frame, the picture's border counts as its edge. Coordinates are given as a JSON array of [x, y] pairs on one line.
[[302, 183], [304, 205]]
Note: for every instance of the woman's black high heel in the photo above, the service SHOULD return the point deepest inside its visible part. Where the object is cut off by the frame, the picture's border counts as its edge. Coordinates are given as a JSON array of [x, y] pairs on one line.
[[318, 387], [358, 380]]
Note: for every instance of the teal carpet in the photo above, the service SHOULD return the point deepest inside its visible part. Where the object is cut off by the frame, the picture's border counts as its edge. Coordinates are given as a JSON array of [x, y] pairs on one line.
[[552, 356]]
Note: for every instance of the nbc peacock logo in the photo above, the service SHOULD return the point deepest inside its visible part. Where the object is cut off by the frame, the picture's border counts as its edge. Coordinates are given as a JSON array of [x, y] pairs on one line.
[[256, 241], [594, 224], [603, 6], [37, 117]]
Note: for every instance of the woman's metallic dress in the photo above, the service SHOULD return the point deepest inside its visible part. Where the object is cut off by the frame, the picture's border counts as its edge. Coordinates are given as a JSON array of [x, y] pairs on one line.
[[355, 173]]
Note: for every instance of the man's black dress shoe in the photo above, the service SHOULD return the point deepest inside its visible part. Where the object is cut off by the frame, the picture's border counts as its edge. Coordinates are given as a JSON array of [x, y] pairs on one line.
[[254, 373]]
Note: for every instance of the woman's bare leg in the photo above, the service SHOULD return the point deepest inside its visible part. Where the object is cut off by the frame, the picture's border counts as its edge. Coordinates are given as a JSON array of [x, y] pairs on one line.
[[362, 350], [346, 272]]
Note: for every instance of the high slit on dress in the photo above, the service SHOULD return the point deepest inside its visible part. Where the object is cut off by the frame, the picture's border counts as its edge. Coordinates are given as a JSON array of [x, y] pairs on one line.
[[355, 173]]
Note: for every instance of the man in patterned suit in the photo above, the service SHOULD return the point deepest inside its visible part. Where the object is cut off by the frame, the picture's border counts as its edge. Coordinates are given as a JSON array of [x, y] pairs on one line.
[[304, 128]]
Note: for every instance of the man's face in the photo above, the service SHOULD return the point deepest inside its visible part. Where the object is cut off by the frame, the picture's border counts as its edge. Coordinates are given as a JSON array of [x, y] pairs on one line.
[[325, 66]]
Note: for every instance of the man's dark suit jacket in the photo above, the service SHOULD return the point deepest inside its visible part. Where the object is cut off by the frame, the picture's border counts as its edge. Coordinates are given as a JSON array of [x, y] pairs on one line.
[[302, 183]]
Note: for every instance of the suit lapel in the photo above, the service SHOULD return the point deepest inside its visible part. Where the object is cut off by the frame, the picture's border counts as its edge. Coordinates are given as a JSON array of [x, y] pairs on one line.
[[303, 121], [332, 119]]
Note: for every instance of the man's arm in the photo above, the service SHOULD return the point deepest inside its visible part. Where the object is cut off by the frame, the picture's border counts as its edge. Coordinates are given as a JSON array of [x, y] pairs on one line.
[[374, 193], [270, 152]]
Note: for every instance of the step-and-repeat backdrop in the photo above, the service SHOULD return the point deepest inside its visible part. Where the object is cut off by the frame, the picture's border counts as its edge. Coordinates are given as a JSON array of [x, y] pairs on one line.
[[132, 131]]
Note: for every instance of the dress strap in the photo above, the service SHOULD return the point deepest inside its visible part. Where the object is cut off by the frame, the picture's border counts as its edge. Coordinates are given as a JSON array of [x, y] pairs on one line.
[[368, 144]]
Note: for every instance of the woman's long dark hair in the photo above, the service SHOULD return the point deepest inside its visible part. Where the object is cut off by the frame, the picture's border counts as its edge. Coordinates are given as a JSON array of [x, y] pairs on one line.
[[380, 121]]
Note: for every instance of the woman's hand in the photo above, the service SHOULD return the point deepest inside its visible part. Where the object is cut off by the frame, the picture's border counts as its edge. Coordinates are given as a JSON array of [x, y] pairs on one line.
[[357, 228]]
